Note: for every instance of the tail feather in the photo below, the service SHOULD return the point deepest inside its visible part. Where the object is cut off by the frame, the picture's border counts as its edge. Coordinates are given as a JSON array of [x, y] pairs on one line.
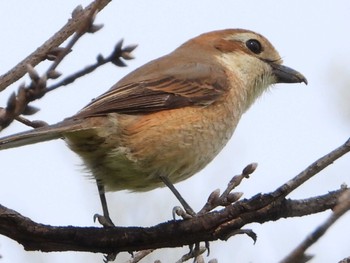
[[42, 134]]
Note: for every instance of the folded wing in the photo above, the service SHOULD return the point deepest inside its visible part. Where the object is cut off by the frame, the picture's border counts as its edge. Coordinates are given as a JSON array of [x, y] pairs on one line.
[[173, 87]]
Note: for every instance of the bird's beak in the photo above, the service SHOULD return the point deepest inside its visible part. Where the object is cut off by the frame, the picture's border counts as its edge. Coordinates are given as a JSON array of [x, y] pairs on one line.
[[285, 74]]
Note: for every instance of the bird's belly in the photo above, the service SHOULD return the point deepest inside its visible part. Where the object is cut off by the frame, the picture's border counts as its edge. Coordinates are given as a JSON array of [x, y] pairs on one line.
[[174, 143]]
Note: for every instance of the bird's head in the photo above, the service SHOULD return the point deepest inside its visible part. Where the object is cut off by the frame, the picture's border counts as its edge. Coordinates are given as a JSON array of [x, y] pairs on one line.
[[248, 56], [249, 52]]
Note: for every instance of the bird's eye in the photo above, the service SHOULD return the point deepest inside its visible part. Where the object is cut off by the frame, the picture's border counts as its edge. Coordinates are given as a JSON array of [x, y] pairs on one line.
[[254, 46]]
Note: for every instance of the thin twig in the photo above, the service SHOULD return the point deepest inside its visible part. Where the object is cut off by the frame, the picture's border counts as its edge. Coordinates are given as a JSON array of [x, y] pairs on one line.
[[33, 124], [55, 41], [115, 57], [312, 170], [227, 198], [298, 254], [83, 28], [18, 103]]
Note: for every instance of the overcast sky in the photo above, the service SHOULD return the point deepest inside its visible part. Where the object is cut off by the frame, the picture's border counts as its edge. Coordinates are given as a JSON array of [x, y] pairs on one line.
[[286, 130]]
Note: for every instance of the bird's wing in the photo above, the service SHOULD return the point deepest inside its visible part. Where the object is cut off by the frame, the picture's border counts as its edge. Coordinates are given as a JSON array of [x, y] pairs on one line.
[[191, 85]]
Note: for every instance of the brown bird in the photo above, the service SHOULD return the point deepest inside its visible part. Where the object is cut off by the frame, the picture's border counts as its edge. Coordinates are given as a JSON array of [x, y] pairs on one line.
[[168, 119]]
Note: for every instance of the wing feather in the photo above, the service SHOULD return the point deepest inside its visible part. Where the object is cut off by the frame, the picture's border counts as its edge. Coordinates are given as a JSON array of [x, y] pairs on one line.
[[174, 88]]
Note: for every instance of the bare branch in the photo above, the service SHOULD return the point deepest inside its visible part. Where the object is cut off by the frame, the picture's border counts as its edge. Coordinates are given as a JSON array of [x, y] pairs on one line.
[[54, 42], [33, 124], [116, 55], [298, 254], [227, 198], [18, 103], [312, 170], [212, 226]]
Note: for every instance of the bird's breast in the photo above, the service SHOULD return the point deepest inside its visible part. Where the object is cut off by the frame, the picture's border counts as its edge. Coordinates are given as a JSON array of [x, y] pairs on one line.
[[175, 143]]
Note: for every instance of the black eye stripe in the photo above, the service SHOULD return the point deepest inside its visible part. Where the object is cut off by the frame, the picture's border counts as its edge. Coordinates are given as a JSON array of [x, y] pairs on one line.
[[254, 46]]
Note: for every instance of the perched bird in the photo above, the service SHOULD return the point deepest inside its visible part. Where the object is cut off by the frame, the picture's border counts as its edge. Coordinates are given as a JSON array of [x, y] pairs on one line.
[[168, 119]]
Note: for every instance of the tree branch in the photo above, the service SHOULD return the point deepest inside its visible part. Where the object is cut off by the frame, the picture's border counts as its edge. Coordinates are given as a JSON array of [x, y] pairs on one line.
[[55, 41], [115, 57], [313, 169], [298, 254], [209, 227], [18, 104]]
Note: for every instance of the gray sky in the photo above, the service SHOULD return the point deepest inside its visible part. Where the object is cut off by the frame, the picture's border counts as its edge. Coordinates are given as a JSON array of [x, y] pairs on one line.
[[286, 130]]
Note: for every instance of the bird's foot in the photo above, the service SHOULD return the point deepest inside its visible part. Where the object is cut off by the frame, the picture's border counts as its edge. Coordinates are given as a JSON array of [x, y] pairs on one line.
[[181, 212], [196, 252], [109, 257], [105, 221]]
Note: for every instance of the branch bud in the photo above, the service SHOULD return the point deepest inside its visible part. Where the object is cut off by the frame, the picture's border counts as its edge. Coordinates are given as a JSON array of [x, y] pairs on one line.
[[249, 169]]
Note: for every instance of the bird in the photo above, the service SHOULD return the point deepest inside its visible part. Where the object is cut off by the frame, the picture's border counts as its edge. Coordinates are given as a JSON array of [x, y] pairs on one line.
[[168, 119]]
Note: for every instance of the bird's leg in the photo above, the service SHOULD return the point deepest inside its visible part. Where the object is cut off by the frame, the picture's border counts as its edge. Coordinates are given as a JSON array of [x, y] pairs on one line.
[[104, 220], [172, 188], [196, 251]]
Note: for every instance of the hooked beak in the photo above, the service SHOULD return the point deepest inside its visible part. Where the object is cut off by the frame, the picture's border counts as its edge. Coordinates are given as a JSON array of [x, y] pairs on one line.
[[285, 74]]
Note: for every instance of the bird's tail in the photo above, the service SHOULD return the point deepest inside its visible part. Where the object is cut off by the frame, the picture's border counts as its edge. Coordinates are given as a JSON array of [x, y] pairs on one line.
[[42, 134]]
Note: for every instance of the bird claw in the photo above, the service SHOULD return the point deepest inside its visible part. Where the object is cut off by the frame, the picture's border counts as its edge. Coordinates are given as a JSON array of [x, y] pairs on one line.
[[207, 246], [195, 249], [195, 252], [104, 221], [179, 211], [109, 257]]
